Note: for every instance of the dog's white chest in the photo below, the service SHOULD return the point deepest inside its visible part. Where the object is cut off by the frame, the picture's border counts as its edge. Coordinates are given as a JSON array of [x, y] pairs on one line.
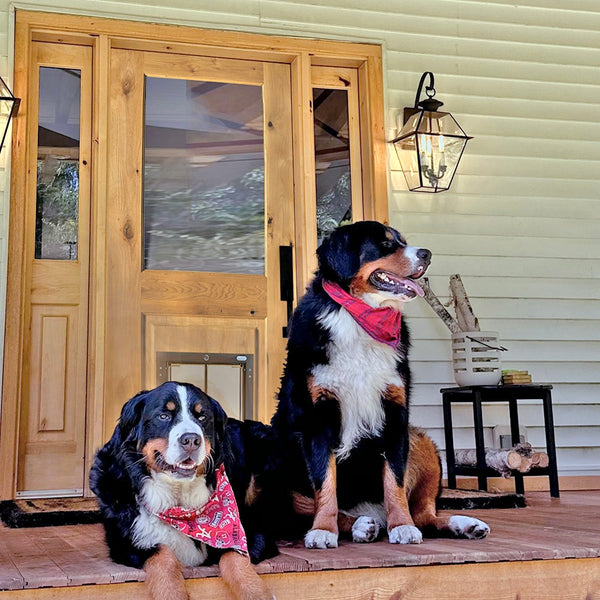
[[359, 371], [158, 494]]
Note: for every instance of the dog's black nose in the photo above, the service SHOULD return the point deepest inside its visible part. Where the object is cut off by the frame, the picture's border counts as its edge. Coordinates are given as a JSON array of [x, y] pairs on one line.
[[190, 441], [423, 254]]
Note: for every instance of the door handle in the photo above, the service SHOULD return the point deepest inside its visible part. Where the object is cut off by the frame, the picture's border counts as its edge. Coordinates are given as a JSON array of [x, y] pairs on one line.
[[286, 281]]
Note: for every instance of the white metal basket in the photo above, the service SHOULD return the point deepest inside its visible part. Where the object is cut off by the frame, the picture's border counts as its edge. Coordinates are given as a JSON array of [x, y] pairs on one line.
[[476, 358]]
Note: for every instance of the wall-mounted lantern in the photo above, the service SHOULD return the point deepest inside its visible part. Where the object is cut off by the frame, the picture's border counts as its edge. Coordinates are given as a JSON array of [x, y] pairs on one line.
[[9, 107], [430, 144]]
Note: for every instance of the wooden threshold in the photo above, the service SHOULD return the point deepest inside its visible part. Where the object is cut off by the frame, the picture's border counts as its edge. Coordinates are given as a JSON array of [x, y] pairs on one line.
[[550, 549]]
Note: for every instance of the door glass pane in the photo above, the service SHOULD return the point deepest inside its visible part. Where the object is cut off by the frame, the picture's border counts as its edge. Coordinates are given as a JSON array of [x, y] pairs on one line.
[[204, 207], [57, 202], [332, 159]]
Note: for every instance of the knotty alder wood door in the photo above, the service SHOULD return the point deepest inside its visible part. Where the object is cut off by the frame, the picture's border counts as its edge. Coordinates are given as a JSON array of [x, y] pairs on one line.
[[199, 217]]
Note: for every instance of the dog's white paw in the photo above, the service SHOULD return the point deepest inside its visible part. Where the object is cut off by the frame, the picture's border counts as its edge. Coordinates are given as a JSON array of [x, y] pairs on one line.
[[468, 527], [320, 538], [365, 529], [405, 534]]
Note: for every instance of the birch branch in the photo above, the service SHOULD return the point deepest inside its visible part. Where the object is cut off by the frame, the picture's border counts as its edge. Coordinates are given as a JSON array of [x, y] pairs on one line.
[[467, 320], [438, 307]]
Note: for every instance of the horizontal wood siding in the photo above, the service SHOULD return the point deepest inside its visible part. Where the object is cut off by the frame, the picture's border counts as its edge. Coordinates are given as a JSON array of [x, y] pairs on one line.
[[521, 223]]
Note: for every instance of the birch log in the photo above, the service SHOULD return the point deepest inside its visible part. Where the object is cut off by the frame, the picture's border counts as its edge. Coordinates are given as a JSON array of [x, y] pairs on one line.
[[539, 459], [467, 320], [502, 460], [438, 307]]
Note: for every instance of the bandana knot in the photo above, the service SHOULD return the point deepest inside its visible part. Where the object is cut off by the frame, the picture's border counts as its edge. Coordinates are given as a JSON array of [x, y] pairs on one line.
[[217, 523], [383, 323]]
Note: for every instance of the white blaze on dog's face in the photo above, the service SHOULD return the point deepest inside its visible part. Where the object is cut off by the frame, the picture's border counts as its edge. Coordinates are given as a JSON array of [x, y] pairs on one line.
[[178, 430], [389, 270]]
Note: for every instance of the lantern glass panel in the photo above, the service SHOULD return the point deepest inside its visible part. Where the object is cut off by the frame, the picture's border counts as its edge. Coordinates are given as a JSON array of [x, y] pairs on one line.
[[440, 122], [406, 149], [429, 147]]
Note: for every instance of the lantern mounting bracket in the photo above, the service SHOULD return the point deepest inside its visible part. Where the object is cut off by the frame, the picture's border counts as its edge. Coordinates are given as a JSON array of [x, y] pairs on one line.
[[429, 103]]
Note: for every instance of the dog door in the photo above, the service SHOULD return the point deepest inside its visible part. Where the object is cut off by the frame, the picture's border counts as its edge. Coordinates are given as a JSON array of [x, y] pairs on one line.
[[228, 378]]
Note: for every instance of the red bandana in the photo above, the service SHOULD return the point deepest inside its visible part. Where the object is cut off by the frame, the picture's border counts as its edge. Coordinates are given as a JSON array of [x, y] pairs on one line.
[[382, 324], [217, 523]]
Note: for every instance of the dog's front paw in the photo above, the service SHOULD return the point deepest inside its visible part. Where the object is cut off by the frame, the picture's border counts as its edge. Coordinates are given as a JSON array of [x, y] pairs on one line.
[[365, 529], [405, 534], [468, 527], [320, 538]]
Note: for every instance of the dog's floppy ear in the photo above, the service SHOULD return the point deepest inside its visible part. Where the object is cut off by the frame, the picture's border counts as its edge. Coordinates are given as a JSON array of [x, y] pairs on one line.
[[220, 422], [339, 260], [131, 416]]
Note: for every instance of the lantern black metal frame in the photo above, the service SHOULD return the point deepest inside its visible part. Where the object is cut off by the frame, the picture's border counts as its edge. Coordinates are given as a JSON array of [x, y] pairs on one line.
[[14, 109], [431, 106]]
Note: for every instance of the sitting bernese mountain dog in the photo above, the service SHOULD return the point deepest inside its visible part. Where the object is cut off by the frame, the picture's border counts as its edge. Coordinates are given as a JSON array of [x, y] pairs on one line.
[[354, 463], [164, 495]]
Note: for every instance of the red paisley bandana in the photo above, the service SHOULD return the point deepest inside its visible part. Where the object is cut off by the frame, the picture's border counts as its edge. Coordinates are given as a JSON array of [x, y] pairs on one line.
[[217, 523], [382, 323]]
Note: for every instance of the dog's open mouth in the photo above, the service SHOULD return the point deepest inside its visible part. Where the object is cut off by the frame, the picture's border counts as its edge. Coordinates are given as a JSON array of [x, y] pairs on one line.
[[185, 468], [400, 286]]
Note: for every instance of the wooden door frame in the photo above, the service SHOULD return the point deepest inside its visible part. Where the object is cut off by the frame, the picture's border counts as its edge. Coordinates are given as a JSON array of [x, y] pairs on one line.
[[102, 35]]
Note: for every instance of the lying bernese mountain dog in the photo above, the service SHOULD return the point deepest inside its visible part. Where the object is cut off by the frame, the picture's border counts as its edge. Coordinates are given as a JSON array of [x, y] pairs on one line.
[[164, 495], [342, 416]]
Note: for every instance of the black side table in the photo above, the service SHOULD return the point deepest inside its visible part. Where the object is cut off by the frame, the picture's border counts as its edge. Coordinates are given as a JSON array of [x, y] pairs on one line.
[[511, 394]]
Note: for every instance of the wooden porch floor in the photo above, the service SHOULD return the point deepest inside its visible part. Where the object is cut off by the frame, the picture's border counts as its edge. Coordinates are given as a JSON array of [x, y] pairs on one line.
[[550, 549]]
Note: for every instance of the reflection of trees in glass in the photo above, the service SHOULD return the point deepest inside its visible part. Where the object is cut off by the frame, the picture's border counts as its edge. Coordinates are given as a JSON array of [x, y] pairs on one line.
[[56, 228], [219, 229], [334, 207]]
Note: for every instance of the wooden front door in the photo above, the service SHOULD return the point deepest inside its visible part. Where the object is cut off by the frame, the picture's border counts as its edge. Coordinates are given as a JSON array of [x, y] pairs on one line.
[[199, 218], [169, 188]]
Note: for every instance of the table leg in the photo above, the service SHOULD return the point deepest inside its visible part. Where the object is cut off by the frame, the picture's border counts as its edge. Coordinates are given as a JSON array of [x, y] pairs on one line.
[[448, 433], [550, 445], [479, 443], [516, 439]]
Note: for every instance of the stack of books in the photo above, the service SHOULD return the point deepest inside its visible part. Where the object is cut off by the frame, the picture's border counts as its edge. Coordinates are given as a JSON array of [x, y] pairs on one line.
[[515, 377]]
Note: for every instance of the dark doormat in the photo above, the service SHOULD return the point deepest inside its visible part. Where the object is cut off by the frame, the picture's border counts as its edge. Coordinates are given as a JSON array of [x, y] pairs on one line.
[[74, 511], [475, 499], [49, 512]]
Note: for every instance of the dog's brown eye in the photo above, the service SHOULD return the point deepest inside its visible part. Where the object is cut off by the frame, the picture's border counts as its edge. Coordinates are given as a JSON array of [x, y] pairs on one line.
[[164, 416], [201, 417]]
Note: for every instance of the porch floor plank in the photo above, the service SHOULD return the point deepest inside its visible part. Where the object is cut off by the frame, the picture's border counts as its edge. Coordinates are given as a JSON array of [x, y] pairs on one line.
[[553, 531]]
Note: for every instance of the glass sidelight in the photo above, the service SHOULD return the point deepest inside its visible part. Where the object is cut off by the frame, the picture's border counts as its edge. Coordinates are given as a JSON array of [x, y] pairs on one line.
[[57, 202], [204, 176], [332, 159]]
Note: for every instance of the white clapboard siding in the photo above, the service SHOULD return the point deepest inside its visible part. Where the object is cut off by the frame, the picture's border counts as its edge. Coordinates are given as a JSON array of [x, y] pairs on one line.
[[522, 221]]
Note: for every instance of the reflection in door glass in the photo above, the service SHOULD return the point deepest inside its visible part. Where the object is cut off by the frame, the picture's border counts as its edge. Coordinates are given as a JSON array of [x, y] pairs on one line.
[[332, 160], [204, 172], [57, 201]]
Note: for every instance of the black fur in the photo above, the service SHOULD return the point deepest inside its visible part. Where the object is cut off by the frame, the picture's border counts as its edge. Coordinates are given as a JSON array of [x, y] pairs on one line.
[[310, 431], [119, 470]]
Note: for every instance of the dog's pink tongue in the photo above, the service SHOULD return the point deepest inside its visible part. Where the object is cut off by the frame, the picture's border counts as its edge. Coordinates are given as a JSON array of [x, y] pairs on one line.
[[411, 284]]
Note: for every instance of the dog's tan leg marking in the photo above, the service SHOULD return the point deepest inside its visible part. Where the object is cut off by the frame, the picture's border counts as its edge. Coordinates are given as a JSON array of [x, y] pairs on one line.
[[423, 479], [394, 500], [326, 508], [303, 505], [400, 526], [395, 394], [239, 574], [164, 577], [423, 476]]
